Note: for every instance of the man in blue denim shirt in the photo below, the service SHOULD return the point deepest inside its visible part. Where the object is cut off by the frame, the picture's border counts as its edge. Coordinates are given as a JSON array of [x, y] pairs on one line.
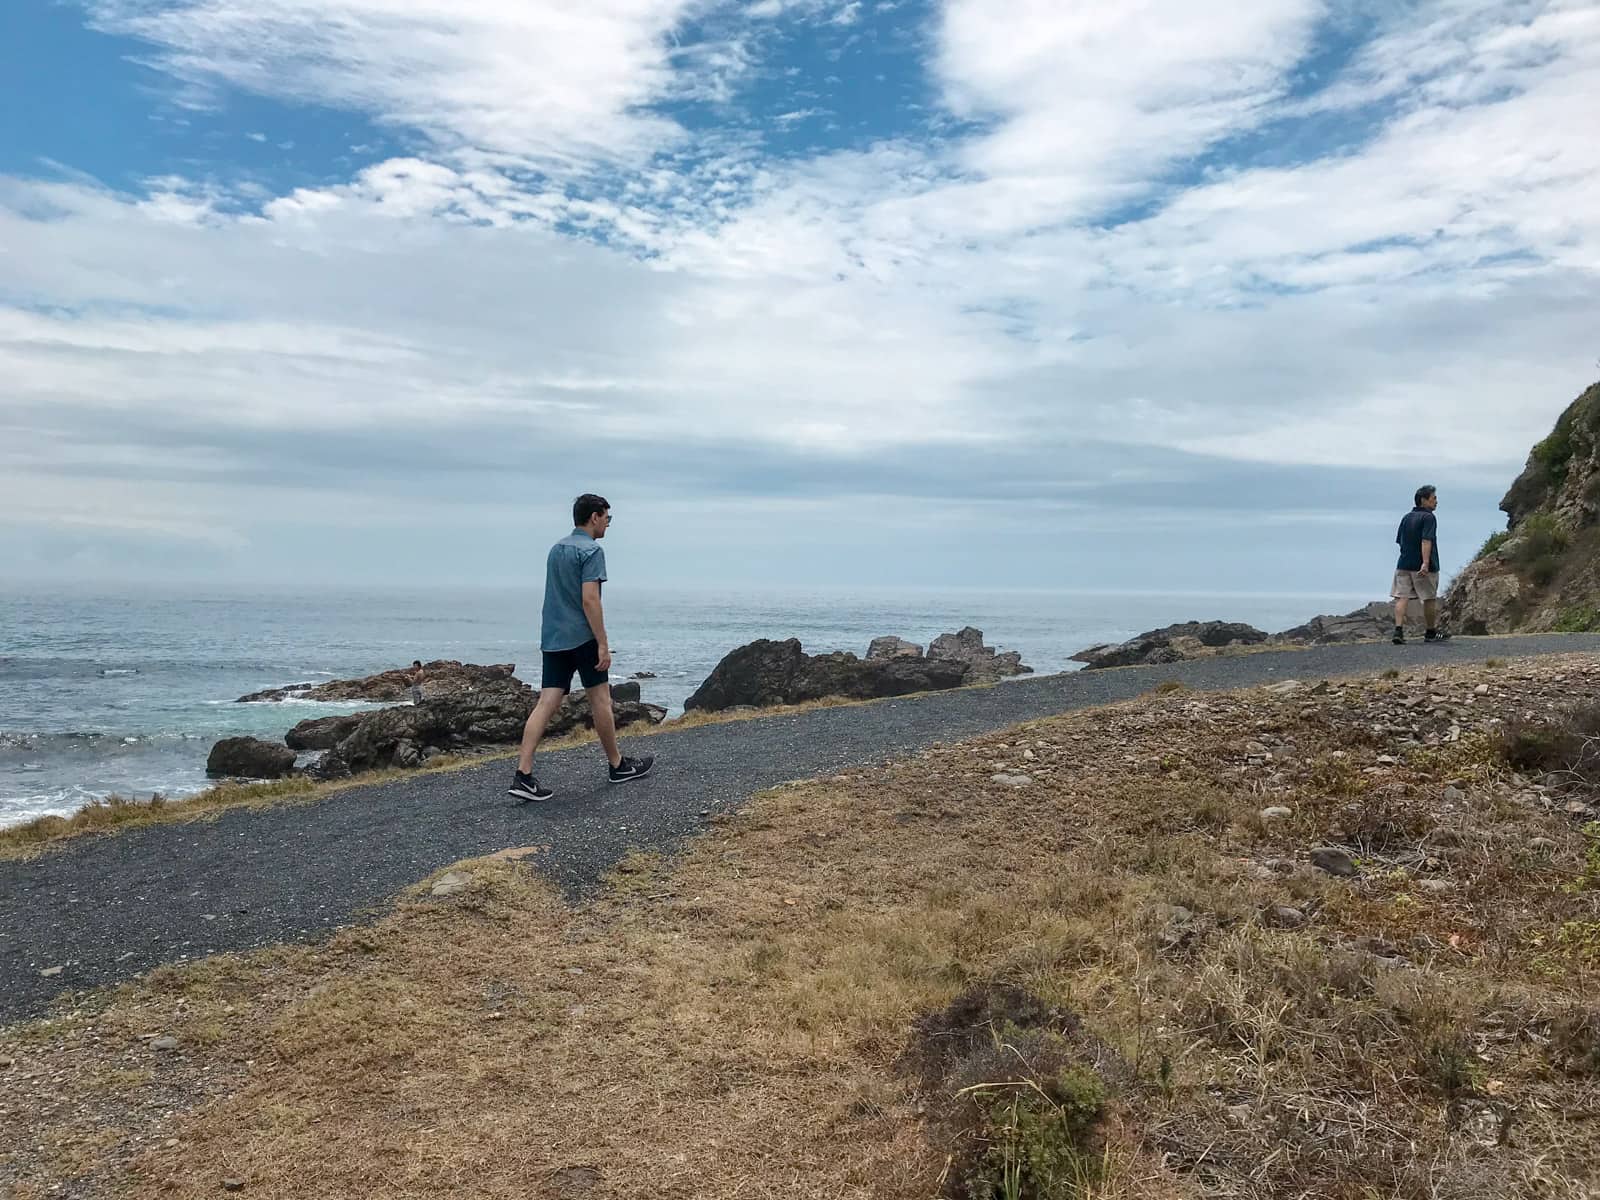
[[572, 638]]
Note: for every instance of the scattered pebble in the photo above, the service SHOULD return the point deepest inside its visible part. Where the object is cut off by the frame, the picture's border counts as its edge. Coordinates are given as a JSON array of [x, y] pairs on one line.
[[1282, 916], [1276, 812], [1009, 780], [451, 883], [164, 1043], [1334, 860], [1437, 886]]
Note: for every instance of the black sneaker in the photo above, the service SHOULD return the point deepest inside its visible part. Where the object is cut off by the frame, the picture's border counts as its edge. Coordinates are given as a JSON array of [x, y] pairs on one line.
[[1399, 638], [1436, 635], [526, 788], [632, 768]]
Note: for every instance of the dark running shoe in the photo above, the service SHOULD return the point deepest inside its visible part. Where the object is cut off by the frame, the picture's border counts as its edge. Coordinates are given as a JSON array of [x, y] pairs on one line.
[[1399, 639], [1436, 635], [630, 769], [526, 788]]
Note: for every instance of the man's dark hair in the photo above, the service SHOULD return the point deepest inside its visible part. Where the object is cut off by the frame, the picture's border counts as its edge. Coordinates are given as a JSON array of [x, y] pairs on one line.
[[1423, 493], [416, 662], [586, 505]]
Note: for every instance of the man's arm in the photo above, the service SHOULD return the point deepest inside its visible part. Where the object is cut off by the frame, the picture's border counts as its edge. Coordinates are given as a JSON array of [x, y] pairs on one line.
[[1430, 531], [597, 621]]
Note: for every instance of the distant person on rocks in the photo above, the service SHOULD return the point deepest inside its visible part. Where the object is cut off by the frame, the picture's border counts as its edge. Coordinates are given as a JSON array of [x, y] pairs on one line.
[[1416, 575], [572, 637], [416, 681]]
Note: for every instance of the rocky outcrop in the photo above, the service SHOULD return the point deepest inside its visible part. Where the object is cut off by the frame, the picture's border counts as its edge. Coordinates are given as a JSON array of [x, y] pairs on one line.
[[442, 677], [892, 647], [1369, 623], [983, 663], [249, 758], [408, 735], [765, 672], [1174, 643], [1543, 572], [322, 733], [491, 711]]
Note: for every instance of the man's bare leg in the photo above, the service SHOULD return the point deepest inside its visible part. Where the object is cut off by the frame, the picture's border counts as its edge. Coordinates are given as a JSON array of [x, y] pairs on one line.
[[605, 721], [538, 720], [1430, 613], [1400, 612]]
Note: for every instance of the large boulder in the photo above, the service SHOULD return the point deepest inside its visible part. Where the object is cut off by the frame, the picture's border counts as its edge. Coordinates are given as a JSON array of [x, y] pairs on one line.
[[442, 677], [892, 647], [984, 664], [322, 733], [764, 673], [1174, 643], [249, 758], [1486, 598]]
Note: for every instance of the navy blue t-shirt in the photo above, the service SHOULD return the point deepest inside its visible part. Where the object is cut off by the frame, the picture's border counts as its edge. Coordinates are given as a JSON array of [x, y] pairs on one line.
[[1417, 526]]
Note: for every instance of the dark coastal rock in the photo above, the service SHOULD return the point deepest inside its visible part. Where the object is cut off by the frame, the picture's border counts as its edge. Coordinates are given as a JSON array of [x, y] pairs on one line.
[[1174, 643], [322, 733], [892, 647], [442, 677], [983, 663], [1367, 623], [765, 672], [249, 758], [493, 715]]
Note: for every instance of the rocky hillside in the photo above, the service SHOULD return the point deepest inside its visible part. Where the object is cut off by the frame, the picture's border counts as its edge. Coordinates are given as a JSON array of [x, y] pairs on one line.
[[1543, 572]]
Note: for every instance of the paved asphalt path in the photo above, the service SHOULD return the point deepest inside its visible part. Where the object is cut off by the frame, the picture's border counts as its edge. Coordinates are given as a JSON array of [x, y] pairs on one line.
[[107, 908]]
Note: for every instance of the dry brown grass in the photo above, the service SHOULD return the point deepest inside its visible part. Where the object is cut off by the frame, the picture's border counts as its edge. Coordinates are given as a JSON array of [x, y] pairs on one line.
[[737, 1022]]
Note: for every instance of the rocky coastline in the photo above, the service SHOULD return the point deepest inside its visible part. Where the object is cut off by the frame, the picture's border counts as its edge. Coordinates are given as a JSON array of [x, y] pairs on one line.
[[1202, 639], [468, 708]]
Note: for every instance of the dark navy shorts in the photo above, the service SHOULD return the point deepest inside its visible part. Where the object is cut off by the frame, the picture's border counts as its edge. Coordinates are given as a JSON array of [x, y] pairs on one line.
[[560, 664]]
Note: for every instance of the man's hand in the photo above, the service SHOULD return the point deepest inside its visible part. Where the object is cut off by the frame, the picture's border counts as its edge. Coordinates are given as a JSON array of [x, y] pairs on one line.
[[604, 661]]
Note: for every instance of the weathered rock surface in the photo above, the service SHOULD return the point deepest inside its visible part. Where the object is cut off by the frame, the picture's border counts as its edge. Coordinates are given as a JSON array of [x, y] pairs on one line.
[[892, 647], [983, 663], [249, 758], [442, 677], [322, 733], [1544, 572], [1371, 622], [1174, 643], [406, 735], [1203, 639], [766, 672]]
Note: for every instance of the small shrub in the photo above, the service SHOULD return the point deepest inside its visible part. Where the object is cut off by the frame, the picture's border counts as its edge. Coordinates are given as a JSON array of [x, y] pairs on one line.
[[1540, 541], [1554, 454], [1543, 570], [1575, 1041], [1038, 1140], [1168, 686], [1567, 743], [1579, 618], [1391, 673], [1493, 543]]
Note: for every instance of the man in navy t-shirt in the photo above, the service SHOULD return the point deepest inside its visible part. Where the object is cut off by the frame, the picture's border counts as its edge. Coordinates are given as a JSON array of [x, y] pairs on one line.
[[572, 639], [1416, 575]]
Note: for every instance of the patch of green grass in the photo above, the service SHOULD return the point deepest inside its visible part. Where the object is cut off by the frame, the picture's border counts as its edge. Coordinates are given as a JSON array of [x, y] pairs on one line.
[[1493, 542], [1541, 542], [1578, 618], [1038, 1139], [1554, 454]]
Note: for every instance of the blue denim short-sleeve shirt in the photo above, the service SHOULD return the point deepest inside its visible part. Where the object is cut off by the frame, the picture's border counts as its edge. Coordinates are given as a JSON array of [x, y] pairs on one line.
[[572, 562]]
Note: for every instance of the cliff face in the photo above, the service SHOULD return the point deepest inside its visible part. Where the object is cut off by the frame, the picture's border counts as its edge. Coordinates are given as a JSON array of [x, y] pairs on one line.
[[1543, 572]]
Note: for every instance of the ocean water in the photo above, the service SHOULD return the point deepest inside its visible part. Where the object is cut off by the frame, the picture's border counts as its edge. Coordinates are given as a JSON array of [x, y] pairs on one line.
[[124, 693]]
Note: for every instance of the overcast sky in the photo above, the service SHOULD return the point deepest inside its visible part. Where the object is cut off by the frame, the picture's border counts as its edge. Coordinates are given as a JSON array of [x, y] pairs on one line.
[[1032, 293]]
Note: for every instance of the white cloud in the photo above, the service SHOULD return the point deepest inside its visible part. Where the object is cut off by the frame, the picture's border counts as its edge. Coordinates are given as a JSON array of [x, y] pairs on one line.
[[947, 304], [558, 84]]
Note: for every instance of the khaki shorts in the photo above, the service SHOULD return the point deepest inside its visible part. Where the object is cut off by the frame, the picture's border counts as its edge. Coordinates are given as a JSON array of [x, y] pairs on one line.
[[1415, 585]]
